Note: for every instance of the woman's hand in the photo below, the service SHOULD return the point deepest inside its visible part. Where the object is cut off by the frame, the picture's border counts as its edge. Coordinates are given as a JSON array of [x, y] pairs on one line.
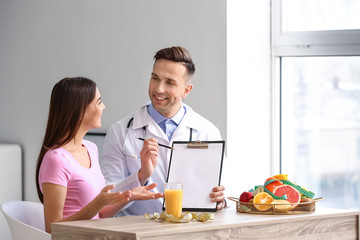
[[106, 197], [143, 193], [117, 200]]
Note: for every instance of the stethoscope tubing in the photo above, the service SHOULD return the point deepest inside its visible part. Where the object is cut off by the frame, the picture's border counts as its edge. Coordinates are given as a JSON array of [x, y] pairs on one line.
[[144, 135]]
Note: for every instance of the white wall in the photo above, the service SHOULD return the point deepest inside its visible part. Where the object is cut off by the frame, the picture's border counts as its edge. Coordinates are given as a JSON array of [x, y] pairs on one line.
[[10, 160], [111, 42], [248, 94]]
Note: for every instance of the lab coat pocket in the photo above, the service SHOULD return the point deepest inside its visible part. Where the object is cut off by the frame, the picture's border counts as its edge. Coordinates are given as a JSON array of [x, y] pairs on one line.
[[133, 163]]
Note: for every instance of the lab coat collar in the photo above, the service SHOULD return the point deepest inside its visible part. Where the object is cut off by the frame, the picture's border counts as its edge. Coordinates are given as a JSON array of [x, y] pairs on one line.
[[191, 119], [142, 117]]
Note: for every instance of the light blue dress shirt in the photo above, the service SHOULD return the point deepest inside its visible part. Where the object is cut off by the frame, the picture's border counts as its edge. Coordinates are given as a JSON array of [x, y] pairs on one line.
[[168, 125]]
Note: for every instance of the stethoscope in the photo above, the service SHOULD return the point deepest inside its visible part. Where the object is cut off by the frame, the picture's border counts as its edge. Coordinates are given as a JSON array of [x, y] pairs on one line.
[[144, 135]]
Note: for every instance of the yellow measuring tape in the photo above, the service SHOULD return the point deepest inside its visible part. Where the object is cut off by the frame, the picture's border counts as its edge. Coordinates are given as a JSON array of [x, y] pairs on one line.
[[185, 218]]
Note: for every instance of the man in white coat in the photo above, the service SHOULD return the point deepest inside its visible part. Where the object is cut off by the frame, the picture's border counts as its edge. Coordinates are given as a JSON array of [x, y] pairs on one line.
[[164, 120]]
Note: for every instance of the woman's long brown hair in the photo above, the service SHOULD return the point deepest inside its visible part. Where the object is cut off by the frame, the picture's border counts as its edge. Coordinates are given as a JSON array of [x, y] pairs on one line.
[[68, 102]]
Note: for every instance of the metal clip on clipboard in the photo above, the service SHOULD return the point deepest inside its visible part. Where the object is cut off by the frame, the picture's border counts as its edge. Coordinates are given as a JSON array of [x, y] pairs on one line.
[[197, 144]]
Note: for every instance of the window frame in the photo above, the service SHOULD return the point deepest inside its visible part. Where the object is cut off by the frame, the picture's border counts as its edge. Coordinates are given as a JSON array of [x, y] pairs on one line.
[[297, 44], [311, 43]]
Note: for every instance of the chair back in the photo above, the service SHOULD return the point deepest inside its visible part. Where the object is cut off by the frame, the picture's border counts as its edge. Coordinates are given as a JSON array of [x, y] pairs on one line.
[[26, 220]]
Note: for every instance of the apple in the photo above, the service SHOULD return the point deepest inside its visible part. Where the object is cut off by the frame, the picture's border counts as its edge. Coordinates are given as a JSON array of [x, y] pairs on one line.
[[246, 196]]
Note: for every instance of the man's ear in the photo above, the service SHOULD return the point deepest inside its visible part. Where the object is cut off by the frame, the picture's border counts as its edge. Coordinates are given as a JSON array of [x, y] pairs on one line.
[[187, 90]]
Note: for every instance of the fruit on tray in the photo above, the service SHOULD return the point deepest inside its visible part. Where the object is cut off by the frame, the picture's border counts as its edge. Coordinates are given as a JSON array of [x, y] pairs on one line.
[[281, 205], [293, 195], [281, 176], [271, 186], [279, 194], [246, 196], [262, 201], [258, 189], [306, 200]]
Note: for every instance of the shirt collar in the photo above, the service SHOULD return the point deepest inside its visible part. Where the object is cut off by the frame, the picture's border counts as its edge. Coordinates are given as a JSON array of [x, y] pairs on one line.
[[158, 117]]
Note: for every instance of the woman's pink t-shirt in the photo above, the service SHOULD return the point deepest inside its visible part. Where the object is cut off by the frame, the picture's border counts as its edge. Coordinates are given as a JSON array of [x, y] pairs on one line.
[[83, 184]]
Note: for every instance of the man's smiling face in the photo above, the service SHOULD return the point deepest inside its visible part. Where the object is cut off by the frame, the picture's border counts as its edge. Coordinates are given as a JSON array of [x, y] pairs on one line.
[[169, 84]]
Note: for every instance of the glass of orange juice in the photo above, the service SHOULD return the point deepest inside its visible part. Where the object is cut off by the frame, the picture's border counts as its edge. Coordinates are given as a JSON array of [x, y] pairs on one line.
[[173, 199]]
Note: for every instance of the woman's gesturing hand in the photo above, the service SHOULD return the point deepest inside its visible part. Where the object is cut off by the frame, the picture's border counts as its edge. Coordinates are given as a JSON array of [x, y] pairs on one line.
[[106, 197], [143, 193]]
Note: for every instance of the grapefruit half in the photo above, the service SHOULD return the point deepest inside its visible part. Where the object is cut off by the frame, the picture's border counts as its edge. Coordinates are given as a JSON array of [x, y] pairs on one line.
[[293, 195]]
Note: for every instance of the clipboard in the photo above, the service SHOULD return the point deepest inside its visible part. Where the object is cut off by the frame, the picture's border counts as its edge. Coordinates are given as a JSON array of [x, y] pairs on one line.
[[198, 165]]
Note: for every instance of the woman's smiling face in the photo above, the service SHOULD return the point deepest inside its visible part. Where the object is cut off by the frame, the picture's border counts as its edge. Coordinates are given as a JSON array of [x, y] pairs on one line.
[[93, 112]]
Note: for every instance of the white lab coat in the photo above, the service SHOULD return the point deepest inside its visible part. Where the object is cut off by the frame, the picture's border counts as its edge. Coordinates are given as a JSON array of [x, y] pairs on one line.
[[120, 146]]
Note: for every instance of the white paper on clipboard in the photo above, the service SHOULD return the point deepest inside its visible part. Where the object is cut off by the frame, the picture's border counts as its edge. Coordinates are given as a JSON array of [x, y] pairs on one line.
[[199, 169]]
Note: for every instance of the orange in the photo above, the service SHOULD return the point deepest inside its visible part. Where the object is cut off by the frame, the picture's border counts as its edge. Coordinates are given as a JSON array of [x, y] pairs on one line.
[[262, 201], [281, 176], [293, 195], [271, 187]]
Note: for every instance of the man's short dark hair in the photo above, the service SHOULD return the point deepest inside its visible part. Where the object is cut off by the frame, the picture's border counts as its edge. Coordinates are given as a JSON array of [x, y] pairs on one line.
[[177, 54]]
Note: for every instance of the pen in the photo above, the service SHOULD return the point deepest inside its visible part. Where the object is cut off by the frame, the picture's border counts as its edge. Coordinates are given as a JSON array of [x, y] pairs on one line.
[[162, 145]]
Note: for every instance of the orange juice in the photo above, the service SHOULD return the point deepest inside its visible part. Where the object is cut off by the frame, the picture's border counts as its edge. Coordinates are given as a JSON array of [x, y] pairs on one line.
[[173, 202]]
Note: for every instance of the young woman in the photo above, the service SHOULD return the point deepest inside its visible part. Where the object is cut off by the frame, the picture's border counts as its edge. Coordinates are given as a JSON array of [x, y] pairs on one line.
[[68, 177]]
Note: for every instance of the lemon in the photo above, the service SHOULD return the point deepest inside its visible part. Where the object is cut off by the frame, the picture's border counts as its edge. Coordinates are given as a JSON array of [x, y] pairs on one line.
[[281, 176], [281, 205]]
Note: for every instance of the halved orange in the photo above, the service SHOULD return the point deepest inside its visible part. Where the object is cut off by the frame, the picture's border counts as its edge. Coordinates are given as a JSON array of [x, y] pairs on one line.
[[262, 201]]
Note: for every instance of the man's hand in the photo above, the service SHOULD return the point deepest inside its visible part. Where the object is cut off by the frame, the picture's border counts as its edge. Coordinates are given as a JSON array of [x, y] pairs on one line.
[[218, 196], [149, 156]]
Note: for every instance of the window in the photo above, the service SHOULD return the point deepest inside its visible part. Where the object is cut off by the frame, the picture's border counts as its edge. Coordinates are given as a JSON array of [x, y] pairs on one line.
[[310, 15], [316, 96]]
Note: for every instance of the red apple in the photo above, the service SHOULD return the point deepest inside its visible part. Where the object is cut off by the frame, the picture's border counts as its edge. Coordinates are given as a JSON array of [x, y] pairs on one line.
[[246, 196]]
